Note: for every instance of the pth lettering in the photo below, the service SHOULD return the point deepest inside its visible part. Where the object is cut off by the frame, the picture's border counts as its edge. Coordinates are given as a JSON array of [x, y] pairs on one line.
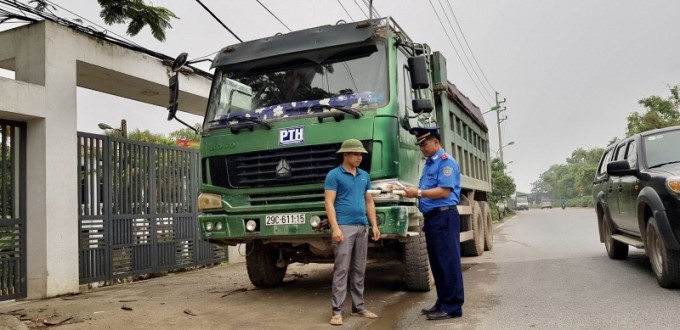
[[294, 134]]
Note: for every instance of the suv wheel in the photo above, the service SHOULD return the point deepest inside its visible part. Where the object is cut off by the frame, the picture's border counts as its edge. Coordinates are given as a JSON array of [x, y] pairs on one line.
[[615, 249], [665, 262]]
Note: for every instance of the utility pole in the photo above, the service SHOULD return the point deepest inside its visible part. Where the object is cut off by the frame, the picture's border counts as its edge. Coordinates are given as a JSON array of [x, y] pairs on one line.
[[498, 121], [123, 130]]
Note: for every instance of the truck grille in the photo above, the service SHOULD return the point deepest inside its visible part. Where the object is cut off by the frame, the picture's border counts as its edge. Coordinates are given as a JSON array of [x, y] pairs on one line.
[[279, 167]]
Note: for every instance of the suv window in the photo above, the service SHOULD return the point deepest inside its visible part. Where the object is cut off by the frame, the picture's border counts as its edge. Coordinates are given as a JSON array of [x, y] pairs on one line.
[[604, 161], [621, 152], [631, 155]]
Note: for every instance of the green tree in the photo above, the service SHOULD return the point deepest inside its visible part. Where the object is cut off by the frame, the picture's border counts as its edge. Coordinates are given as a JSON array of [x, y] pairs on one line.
[[571, 180], [502, 185], [138, 14], [659, 113], [148, 137], [186, 133]]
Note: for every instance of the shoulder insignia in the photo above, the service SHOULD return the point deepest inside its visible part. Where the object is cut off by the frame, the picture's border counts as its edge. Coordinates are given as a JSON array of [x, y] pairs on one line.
[[445, 156], [447, 171]]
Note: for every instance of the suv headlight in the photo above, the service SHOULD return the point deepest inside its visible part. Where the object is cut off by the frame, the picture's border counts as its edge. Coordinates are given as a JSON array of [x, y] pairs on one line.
[[673, 185], [386, 187]]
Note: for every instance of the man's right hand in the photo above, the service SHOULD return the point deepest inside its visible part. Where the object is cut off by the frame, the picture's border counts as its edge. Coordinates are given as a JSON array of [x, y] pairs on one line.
[[337, 235], [410, 192]]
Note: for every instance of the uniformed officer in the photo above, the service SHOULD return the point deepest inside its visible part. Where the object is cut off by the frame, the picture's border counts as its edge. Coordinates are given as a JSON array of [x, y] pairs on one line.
[[439, 193]]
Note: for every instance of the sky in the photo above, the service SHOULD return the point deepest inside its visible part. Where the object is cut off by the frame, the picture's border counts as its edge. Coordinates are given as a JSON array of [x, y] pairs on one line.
[[570, 71]]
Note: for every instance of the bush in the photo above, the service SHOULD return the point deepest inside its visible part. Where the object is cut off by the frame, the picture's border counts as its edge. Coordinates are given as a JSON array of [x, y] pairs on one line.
[[583, 201]]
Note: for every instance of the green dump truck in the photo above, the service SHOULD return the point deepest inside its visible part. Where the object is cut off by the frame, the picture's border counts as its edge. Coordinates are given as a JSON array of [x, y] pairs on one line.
[[278, 110]]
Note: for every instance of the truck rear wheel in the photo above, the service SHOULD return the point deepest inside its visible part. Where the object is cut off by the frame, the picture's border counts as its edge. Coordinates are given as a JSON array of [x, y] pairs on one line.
[[261, 264], [474, 247], [488, 226], [665, 262], [416, 267]]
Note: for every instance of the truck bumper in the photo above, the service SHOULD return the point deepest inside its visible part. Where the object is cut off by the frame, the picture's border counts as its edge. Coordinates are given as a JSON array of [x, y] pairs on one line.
[[392, 221]]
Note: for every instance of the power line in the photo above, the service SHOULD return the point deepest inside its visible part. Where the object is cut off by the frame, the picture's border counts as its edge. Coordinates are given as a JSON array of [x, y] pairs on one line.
[[369, 5], [219, 21], [468, 46], [267, 9], [457, 54], [93, 23], [463, 49], [33, 15], [360, 8], [345, 9]]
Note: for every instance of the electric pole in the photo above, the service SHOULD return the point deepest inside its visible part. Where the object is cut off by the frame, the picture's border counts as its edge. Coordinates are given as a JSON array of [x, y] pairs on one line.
[[498, 122]]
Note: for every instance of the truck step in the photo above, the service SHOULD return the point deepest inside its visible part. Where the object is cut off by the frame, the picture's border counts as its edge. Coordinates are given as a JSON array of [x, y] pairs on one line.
[[632, 241]]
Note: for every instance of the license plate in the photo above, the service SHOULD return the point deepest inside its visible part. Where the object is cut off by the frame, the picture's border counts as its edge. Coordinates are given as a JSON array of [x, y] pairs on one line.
[[284, 219]]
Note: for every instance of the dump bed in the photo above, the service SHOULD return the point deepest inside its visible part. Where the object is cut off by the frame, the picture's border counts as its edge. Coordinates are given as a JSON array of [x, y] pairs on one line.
[[463, 130]]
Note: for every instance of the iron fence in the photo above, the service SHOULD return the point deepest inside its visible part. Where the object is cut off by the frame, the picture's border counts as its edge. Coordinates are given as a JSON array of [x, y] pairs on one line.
[[137, 209]]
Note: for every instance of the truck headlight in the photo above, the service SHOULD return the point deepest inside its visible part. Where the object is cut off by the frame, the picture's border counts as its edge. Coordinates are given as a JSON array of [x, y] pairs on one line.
[[208, 201], [673, 185], [208, 226], [315, 221], [251, 225]]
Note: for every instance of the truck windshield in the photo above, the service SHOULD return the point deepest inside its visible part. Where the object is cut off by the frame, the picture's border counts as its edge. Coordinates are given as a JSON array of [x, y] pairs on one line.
[[305, 89], [522, 199]]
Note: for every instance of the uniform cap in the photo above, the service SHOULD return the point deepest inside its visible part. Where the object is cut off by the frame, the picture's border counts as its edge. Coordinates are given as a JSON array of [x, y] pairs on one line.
[[424, 133], [352, 145]]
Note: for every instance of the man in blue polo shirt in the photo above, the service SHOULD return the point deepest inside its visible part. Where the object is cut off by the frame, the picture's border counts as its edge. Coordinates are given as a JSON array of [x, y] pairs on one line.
[[350, 207], [439, 193]]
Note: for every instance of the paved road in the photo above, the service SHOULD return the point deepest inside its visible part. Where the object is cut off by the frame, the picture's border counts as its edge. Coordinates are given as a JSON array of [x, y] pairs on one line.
[[549, 271]]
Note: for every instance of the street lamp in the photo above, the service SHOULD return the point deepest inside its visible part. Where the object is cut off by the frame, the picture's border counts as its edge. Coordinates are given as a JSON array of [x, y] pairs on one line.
[[494, 108], [122, 130], [500, 150]]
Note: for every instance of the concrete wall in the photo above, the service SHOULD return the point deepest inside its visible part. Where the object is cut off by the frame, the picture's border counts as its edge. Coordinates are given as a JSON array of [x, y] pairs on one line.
[[50, 62]]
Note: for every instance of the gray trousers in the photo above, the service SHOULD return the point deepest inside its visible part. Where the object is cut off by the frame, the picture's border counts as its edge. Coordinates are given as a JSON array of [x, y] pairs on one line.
[[350, 267]]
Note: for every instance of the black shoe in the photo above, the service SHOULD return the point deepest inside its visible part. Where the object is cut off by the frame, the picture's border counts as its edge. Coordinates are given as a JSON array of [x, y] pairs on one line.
[[441, 316], [432, 309]]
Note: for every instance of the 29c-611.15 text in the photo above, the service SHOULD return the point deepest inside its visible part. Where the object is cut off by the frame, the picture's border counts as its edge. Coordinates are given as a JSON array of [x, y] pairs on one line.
[[284, 219]]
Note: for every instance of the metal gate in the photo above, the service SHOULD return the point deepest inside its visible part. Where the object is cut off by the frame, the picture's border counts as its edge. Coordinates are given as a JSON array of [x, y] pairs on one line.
[[12, 210], [137, 209]]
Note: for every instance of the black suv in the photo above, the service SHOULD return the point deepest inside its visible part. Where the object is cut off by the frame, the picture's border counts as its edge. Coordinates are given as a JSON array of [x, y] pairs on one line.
[[636, 193]]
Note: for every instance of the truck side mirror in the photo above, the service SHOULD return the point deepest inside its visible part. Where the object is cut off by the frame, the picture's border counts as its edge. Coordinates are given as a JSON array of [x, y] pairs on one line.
[[422, 106], [417, 67], [179, 62], [173, 83]]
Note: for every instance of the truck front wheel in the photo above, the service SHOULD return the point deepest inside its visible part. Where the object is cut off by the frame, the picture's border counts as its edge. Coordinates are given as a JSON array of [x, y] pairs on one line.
[[416, 267], [261, 264], [665, 262]]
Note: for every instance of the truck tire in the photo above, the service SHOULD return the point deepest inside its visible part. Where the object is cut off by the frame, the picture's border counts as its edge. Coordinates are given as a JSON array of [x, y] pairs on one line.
[[475, 247], [665, 262], [488, 226], [416, 267], [261, 264], [615, 249]]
